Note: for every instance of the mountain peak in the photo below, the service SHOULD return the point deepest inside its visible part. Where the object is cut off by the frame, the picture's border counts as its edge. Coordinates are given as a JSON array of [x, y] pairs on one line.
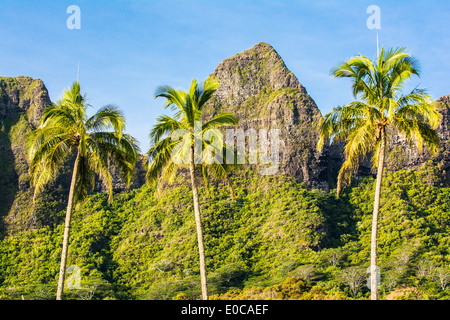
[[257, 86], [255, 69], [262, 46]]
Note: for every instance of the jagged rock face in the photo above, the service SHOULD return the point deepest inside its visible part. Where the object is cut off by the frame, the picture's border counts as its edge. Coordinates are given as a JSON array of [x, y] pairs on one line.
[[257, 86], [402, 155], [23, 95], [22, 102]]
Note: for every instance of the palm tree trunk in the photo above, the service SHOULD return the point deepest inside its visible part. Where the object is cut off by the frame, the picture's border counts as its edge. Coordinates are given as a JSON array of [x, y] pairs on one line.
[[376, 209], [62, 268], [198, 223]]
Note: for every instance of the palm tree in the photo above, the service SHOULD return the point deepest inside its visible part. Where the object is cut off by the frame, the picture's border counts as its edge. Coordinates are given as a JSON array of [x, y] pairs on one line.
[[382, 108], [180, 141], [66, 131]]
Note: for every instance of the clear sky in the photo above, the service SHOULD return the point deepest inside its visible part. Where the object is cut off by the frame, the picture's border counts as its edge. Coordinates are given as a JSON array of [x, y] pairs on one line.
[[127, 48]]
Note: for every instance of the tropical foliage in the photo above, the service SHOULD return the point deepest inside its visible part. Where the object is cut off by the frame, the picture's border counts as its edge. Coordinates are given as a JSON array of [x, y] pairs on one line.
[[141, 246]]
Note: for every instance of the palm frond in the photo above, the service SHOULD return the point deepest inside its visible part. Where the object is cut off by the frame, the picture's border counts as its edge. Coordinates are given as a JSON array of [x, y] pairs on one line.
[[164, 126], [85, 179], [419, 132], [359, 142], [208, 88], [223, 119], [75, 102], [174, 98], [344, 119], [58, 115], [159, 156], [105, 119], [110, 148], [47, 150]]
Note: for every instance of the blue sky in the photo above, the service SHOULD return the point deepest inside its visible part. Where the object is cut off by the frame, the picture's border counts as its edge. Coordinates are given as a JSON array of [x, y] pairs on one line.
[[127, 48]]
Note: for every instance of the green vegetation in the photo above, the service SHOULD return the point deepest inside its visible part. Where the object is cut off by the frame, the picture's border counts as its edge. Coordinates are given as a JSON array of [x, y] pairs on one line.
[[276, 235]]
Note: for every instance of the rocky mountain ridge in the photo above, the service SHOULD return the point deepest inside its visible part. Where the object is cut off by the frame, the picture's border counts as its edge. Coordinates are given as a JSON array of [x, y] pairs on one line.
[[255, 84], [259, 88]]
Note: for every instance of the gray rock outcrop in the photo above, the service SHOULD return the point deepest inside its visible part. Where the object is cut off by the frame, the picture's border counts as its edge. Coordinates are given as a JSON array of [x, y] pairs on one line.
[[258, 87]]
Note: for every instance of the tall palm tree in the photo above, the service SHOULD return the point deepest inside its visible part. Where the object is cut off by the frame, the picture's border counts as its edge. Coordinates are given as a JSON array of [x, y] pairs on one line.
[[364, 123], [65, 131], [180, 141]]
